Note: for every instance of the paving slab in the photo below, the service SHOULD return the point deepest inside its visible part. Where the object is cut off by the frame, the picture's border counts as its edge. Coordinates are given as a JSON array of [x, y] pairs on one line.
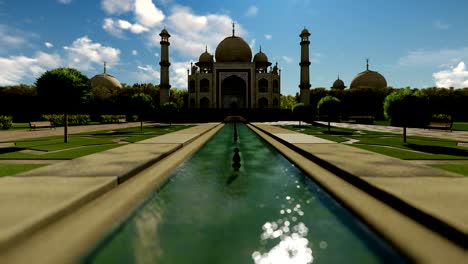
[[28, 204], [171, 138], [118, 162], [441, 197], [365, 163], [302, 138]]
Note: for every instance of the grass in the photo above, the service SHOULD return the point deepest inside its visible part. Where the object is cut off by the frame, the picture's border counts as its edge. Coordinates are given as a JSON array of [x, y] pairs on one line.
[[424, 148], [12, 169], [458, 168], [79, 145], [460, 126]]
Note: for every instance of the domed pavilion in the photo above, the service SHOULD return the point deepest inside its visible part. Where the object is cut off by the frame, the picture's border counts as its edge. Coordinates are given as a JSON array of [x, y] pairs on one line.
[[105, 80], [338, 84], [368, 79], [233, 79]]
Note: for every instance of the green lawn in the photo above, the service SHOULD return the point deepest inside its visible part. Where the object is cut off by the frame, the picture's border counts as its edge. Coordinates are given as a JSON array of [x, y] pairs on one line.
[[12, 169], [425, 148], [53, 148], [458, 168], [462, 126]]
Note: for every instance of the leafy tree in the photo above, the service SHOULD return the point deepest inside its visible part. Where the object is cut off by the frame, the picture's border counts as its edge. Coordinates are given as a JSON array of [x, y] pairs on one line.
[[407, 108], [299, 112], [169, 109], [179, 97], [141, 104], [330, 107], [63, 90], [287, 101]]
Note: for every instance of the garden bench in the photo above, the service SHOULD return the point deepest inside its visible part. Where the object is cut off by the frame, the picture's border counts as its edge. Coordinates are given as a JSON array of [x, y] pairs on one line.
[[40, 124], [440, 125]]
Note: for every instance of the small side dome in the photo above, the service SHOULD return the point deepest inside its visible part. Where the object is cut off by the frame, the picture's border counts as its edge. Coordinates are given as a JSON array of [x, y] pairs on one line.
[[206, 57], [164, 32], [105, 80], [338, 84], [261, 60], [304, 32]]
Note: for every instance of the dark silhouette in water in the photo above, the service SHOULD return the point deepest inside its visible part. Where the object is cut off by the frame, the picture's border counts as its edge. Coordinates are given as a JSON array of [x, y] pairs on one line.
[[235, 132], [236, 160]]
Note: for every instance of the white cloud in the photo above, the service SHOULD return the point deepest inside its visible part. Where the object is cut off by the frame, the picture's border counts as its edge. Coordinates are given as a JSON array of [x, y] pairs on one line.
[[20, 69], [268, 36], [134, 52], [251, 11], [11, 38], [147, 13], [438, 24], [48, 44], [179, 74], [456, 77], [191, 32], [134, 28], [84, 53], [287, 59], [442, 58], [115, 27], [64, 2], [315, 58], [112, 28], [117, 6], [146, 74]]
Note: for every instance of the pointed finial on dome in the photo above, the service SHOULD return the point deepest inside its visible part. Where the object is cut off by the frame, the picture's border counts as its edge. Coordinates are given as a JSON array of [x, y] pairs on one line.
[[104, 67], [233, 28], [338, 76], [260, 48], [206, 48], [367, 64]]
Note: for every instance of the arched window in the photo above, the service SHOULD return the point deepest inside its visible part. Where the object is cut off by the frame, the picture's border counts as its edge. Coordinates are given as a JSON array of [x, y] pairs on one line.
[[275, 86], [204, 103], [204, 86], [275, 103], [263, 85], [263, 102], [192, 103], [192, 86]]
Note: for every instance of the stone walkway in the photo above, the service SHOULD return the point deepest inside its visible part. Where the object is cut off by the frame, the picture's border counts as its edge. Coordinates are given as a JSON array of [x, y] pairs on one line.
[[435, 193], [454, 135], [33, 199]]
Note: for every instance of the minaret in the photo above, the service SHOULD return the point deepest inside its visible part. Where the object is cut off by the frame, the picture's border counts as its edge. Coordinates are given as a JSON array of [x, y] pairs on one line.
[[304, 85], [164, 84]]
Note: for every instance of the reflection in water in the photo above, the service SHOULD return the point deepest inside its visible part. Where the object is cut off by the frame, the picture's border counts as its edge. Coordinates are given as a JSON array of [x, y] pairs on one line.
[[289, 236], [146, 226]]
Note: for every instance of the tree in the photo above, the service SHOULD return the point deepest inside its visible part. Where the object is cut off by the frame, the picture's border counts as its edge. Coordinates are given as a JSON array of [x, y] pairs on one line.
[[287, 101], [405, 108], [330, 107], [179, 97], [141, 104], [169, 109], [63, 90], [299, 112]]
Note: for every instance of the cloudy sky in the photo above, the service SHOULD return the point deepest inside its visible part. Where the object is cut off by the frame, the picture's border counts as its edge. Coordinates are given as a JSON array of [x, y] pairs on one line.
[[417, 43]]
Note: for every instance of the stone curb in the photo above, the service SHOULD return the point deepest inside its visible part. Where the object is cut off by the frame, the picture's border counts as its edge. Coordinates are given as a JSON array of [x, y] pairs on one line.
[[450, 232]]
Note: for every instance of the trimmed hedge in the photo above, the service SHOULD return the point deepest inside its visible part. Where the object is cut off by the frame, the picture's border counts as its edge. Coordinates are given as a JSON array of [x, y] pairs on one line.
[[110, 119], [73, 120], [6, 122], [441, 118]]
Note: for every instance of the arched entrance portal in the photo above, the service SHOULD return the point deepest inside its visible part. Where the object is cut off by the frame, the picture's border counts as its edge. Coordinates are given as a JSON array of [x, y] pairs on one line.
[[233, 92]]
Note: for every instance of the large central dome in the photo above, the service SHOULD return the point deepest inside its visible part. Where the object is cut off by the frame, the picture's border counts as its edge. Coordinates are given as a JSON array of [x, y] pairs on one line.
[[368, 79], [233, 49]]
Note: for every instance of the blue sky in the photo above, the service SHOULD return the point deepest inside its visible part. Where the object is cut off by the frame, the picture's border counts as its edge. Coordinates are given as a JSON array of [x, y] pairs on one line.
[[412, 43]]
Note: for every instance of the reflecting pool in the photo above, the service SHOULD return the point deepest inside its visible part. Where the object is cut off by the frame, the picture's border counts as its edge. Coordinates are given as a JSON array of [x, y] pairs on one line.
[[266, 212]]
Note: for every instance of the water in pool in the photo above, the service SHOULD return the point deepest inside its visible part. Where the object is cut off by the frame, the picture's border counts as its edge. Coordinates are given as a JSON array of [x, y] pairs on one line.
[[267, 212]]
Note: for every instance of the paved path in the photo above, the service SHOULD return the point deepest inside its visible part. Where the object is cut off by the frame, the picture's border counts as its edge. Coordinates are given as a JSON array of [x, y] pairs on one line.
[[11, 135], [435, 192], [454, 135]]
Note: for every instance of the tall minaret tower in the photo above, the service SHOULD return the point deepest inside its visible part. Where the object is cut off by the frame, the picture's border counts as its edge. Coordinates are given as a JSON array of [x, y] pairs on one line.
[[304, 86], [164, 84]]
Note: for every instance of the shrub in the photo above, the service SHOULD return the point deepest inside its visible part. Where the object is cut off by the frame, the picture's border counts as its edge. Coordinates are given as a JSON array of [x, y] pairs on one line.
[[441, 118], [6, 122], [111, 119], [73, 120]]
